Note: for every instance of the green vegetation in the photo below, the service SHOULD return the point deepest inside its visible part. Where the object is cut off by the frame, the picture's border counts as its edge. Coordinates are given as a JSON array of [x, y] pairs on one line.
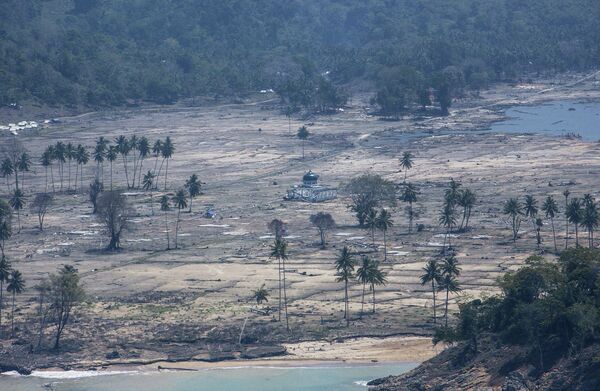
[[551, 308], [105, 52]]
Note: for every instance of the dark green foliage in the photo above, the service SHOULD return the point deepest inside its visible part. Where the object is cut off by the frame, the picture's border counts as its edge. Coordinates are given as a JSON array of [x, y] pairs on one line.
[[551, 308], [104, 52]]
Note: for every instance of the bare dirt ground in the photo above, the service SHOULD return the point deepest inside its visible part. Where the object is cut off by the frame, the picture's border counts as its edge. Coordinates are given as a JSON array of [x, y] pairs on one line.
[[149, 304]]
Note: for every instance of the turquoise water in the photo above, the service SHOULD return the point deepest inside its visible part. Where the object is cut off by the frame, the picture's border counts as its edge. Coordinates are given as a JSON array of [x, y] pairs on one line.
[[554, 119], [322, 378]]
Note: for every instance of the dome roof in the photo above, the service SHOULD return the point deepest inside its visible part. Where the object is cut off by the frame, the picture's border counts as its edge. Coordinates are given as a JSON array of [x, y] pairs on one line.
[[310, 177]]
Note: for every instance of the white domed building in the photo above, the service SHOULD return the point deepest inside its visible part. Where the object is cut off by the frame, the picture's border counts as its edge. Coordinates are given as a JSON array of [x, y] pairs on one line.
[[310, 190]]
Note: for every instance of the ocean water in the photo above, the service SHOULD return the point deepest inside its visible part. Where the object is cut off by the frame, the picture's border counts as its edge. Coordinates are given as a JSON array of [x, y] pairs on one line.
[[338, 377], [554, 119]]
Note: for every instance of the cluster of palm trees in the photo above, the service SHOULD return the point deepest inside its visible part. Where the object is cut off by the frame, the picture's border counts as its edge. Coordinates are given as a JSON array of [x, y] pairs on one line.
[[443, 278], [180, 201], [455, 196], [368, 274], [15, 285], [379, 221], [578, 212]]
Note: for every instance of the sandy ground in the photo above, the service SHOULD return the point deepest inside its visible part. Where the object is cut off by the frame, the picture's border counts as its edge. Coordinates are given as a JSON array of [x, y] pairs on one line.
[[244, 153]]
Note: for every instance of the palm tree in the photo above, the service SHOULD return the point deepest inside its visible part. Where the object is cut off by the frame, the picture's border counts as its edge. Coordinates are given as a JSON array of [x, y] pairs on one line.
[[193, 187], [452, 193], [60, 156], [7, 168], [99, 155], [303, 134], [180, 201], [466, 199], [384, 222], [83, 157], [167, 152], [147, 184], [51, 155], [143, 148], [70, 155], [156, 150], [46, 161], [566, 194], [371, 223], [590, 220], [23, 165], [574, 214], [261, 295], [133, 146], [17, 202], [344, 266], [550, 208], [123, 148], [449, 284], [5, 270], [531, 209], [447, 219], [5, 224], [362, 275], [279, 251], [406, 162], [111, 156], [514, 210], [164, 206], [409, 195], [15, 285], [375, 277], [432, 276]]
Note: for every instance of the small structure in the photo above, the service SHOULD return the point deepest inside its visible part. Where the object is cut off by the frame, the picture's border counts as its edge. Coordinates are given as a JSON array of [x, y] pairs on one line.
[[310, 190]]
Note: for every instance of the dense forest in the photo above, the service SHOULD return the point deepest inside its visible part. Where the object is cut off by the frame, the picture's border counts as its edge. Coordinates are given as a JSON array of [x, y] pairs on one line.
[[104, 52]]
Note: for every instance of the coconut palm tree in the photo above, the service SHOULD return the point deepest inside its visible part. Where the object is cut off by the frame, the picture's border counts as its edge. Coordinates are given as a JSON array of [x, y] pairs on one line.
[[147, 184], [531, 209], [133, 146], [99, 155], [590, 220], [46, 162], [432, 276], [180, 201], [375, 278], [384, 222], [514, 210], [17, 202], [60, 151], [167, 152], [574, 213], [5, 270], [143, 147], [193, 187], [452, 193], [23, 165], [279, 252], [303, 134], [566, 194], [83, 157], [409, 195], [111, 155], [371, 223], [550, 208], [70, 152], [15, 285], [51, 156], [344, 266], [449, 284], [447, 219], [5, 224], [165, 207], [466, 199], [261, 295], [406, 162], [123, 148], [156, 150], [362, 275], [7, 169]]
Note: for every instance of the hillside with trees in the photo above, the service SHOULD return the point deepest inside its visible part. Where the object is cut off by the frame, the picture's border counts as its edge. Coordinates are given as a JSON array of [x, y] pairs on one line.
[[106, 52]]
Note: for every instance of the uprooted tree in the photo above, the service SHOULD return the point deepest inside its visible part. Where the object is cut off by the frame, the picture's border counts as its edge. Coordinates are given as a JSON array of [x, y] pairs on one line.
[[368, 192], [113, 212]]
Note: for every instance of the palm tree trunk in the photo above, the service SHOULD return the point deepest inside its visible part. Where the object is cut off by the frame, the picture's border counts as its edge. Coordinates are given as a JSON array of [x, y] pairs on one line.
[[384, 245], [1, 303], [52, 177], [140, 173], [287, 322], [446, 310], [554, 235], [410, 217], [111, 174], [166, 173], [373, 290], [177, 227], [159, 171], [434, 309], [126, 174], [576, 235], [279, 271], [362, 302], [12, 318], [19, 220], [346, 303], [167, 230], [46, 182], [191, 200]]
